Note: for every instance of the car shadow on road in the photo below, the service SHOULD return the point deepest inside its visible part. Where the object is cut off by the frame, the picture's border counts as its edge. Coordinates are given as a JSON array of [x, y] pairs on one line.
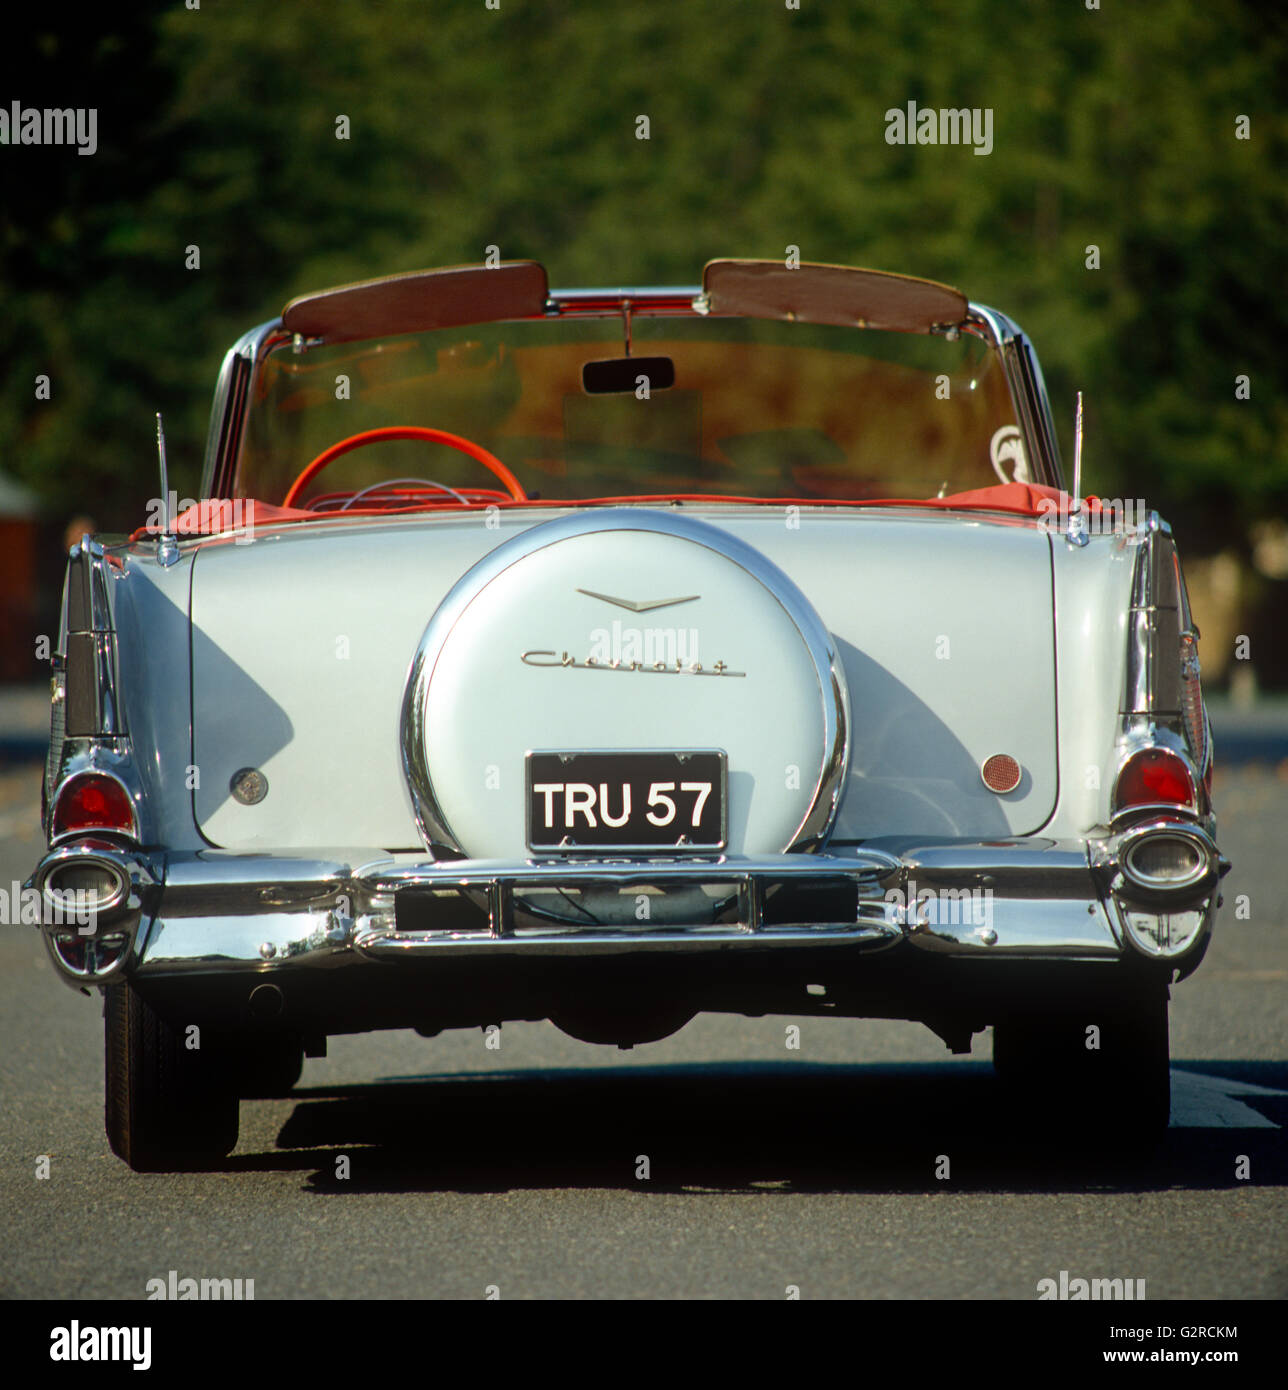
[[740, 1127]]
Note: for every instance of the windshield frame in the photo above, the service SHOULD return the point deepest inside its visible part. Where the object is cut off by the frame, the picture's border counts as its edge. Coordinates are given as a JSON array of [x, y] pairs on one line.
[[239, 375]]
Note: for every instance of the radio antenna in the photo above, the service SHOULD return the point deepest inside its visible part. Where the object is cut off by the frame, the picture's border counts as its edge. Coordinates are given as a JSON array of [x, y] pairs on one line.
[[167, 546], [1077, 533]]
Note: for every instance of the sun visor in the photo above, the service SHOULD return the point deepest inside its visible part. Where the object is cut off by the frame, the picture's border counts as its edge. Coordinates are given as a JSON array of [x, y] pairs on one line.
[[419, 301], [835, 294]]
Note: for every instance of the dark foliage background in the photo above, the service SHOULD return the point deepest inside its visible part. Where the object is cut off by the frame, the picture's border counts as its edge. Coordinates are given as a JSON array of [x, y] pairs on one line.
[[469, 126]]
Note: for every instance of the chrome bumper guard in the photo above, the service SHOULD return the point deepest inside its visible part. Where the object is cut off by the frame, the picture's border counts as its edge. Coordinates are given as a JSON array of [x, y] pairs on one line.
[[686, 892]]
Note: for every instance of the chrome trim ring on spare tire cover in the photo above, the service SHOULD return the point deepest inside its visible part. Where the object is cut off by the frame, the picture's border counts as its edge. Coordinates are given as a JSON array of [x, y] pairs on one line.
[[538, 646]]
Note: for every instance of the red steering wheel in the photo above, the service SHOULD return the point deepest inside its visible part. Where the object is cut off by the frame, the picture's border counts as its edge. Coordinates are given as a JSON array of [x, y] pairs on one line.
[[454, 441]]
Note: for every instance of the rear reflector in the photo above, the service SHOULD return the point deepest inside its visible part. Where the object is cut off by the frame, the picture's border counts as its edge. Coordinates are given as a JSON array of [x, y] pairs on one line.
[[93, 801], [1153, 777], [1001, 773]]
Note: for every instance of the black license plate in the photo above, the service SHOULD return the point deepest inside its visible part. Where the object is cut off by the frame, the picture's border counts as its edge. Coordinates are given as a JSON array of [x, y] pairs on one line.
[[626, 800]]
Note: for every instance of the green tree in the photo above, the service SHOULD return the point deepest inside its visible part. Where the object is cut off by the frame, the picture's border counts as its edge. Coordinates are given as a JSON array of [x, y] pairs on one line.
[[517, 127]]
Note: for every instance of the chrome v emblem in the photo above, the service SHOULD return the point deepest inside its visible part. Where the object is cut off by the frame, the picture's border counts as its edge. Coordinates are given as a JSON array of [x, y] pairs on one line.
[[632, 606]]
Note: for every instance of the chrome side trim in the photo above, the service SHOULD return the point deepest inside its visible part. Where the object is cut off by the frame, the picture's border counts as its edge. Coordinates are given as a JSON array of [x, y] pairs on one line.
[[1154, 629], [1162, 656], [227, 412], [88, 651], [87, 722], [833, 693]]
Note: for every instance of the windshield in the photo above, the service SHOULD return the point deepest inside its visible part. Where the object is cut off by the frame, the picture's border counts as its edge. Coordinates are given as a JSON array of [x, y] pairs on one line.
[[758, 408]]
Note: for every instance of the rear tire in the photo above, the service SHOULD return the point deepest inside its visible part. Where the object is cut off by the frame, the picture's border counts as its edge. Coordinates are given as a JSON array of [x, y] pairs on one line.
[[1115, 1093], [167, 1108]]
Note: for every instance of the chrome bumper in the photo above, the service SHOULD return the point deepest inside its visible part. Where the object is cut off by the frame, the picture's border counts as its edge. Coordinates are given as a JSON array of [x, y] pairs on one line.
[[219, 912]]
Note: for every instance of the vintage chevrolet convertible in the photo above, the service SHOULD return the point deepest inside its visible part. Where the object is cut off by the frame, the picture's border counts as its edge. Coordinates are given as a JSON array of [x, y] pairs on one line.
[[608, 656]]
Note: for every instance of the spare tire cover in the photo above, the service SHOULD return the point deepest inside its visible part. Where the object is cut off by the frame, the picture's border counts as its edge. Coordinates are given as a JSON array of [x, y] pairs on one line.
[[624, 629]]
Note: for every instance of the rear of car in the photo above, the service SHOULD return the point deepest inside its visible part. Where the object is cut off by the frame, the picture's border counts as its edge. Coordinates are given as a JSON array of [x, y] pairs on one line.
[[613, 656]]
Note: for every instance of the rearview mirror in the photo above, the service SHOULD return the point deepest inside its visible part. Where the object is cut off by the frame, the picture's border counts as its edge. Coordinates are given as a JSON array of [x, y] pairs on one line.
[[617, 375]]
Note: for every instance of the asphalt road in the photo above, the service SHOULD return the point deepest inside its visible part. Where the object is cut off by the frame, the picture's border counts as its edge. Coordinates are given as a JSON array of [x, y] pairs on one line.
[[517, 1169]]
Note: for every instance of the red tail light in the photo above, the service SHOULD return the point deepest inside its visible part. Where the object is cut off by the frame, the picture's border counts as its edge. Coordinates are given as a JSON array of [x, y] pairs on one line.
[[1155, 776], [93, 801]]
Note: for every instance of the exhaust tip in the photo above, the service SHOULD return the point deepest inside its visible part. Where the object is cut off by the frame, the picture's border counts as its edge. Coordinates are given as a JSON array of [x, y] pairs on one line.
[[266, 1002], [1168, 860], [83, 887]]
